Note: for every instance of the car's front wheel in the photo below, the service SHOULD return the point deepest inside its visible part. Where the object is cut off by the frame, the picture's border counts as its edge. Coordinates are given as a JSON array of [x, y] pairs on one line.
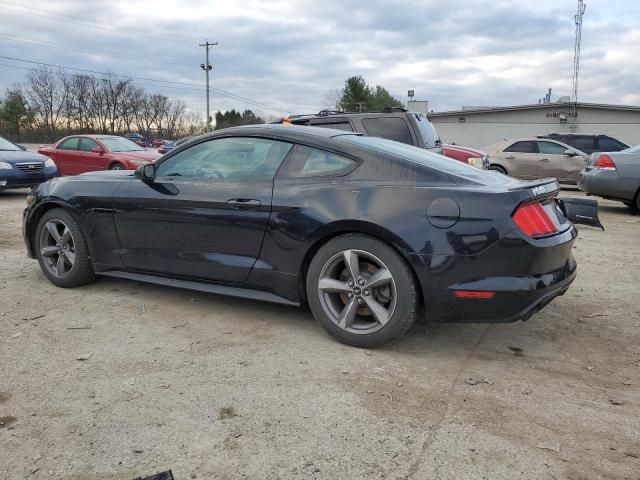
[[116, 166], [62, 250], [498, 168], [361, 291]]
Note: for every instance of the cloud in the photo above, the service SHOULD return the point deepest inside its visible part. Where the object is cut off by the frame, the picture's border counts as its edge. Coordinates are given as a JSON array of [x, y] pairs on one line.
[[288, 54]]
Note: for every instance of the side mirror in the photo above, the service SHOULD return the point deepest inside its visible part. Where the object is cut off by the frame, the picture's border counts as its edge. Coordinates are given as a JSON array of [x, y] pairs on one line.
[[97, 150], [146, 173], [570, 153]]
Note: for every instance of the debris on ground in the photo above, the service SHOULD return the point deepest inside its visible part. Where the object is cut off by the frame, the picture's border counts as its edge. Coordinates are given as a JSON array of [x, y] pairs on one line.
[[15, 335], [84, 357], [517, 351], [614, 401], [553, 446], [227, 412]]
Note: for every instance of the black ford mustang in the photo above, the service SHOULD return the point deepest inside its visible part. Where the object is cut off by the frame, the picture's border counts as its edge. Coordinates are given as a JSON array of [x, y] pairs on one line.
[[361, 229]]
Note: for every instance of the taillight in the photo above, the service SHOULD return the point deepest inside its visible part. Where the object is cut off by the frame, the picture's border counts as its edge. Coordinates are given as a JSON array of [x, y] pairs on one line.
[[534, 220], [605, 163]]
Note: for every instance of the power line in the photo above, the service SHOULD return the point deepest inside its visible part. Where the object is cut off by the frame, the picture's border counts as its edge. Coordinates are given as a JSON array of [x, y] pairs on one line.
[[89, 52], [218, 91], [89, 24]]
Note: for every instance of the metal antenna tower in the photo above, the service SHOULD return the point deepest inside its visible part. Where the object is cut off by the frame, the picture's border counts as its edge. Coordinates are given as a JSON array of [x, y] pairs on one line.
[[573, 115]]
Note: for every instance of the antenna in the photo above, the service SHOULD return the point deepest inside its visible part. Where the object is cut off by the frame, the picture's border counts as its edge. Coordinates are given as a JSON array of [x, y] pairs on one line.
[[573, 115]]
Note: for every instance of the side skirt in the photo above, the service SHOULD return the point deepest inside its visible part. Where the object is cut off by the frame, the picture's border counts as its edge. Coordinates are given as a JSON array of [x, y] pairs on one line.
[[202, 287]]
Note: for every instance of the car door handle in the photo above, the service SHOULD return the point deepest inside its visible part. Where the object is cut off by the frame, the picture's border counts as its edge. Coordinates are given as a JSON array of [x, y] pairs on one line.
[[244, 203], [544, 159], [510, 157]]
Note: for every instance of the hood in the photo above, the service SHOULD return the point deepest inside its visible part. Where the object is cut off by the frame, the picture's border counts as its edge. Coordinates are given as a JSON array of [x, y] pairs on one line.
[[148, 155], [21, 156]]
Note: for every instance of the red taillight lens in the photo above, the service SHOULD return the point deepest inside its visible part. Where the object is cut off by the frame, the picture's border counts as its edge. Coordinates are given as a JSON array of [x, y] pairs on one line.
[[533, 220], [605, 162]]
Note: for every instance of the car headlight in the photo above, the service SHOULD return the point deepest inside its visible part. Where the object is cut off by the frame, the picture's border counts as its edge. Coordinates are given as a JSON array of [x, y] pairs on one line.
[[138, 162], [49, 163], [5, 166], [476, 162]]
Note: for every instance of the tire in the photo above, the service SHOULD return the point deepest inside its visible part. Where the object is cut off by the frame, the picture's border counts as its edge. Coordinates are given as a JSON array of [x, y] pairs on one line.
[[116, 166], [62, 250], [388, 307], [633, 205], [498, 168]]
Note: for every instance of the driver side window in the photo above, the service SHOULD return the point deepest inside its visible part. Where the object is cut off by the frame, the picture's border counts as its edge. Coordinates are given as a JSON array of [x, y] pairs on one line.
[[233, 158]]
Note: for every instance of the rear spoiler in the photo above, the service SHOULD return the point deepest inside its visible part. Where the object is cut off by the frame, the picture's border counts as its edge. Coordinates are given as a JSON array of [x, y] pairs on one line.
[[581, 211]]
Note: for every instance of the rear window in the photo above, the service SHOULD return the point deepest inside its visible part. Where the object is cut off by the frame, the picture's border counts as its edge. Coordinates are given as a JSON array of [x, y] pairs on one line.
[[427, 132], [411, 153], [522, 147], [393, 128], [610, 145]]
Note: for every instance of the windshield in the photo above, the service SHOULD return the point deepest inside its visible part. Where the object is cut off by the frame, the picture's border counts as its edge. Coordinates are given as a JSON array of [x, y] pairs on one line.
[[6, 145], [120, 144], [410, 153]]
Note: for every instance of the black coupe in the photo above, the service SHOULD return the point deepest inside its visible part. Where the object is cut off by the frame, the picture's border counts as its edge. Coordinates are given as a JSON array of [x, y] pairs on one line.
[[363, 230]]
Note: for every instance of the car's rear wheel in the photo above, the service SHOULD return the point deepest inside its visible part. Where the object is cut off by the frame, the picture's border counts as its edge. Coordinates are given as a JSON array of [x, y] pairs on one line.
[[498, 168], [62, 250], [116, 166], [361, 291], [632, 205]]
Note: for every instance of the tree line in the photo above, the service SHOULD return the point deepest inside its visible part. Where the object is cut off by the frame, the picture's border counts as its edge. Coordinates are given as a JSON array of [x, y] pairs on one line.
[[51, 104]]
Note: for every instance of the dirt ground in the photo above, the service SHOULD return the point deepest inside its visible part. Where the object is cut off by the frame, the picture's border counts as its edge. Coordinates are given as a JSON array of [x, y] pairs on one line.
[[216, 387]]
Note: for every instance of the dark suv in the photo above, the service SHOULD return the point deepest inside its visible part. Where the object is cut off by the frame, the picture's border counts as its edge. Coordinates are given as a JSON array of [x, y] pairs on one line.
[[392, 123], [588, 143]]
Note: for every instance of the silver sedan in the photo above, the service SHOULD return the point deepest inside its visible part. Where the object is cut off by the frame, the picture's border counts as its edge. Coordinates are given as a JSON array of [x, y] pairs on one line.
[[613, 175]]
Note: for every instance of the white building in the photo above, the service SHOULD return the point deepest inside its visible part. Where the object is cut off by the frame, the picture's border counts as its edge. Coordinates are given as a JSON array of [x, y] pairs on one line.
[[482, 126]]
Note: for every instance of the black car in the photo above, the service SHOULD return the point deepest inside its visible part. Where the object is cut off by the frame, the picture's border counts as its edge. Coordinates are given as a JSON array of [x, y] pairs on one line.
[[167, 147], [361, 229], [588, 143], [396, 124]]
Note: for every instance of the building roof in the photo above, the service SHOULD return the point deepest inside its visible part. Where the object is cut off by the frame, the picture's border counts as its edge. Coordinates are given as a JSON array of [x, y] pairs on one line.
[[535, 106]]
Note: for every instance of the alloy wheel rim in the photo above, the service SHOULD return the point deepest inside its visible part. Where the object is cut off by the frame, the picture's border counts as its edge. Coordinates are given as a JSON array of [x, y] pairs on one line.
[[357, 291], [57, 248]]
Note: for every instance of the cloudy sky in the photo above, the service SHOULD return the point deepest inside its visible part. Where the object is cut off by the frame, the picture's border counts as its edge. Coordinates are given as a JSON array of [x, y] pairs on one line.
[[288, 54]]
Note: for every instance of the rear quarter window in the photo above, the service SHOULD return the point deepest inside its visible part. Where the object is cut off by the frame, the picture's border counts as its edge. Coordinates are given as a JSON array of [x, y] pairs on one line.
[[392, 128], [305, 162]]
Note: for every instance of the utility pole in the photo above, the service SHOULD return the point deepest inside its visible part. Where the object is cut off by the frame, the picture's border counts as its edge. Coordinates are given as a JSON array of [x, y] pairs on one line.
[[573, 115], [206, 67]]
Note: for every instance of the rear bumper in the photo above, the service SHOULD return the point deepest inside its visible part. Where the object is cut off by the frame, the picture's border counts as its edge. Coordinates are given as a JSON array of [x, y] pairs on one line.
[[607, 184], [518, 275]]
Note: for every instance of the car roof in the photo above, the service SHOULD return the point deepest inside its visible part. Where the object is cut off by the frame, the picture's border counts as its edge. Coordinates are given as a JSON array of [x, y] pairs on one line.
[[327, 114], [282, 130], [599, 135]]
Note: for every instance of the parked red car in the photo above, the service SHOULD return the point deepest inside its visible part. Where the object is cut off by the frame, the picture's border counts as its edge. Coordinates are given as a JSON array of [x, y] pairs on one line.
[[158, 142], [474, 157], [86, 153]]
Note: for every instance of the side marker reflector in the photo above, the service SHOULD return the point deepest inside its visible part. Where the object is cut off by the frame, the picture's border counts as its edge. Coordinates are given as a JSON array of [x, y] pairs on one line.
[[474, 294]]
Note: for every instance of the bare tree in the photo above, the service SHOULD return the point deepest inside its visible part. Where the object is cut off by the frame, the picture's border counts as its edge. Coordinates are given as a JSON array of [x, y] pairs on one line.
[[48, 95]]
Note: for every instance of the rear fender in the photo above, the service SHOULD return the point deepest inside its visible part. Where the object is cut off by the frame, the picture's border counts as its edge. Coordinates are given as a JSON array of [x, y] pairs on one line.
[[582, 211]]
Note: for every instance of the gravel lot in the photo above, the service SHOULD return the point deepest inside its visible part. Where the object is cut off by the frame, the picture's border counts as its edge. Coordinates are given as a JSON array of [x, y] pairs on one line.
[[215, 387]]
